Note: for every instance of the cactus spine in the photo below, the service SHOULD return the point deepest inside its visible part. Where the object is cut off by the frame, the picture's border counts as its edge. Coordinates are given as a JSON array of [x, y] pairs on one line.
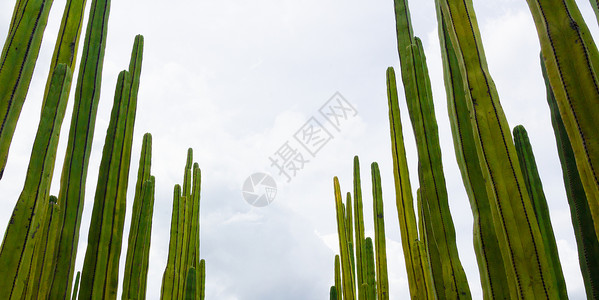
[[17, 62], [20, 238], [184, 247], [522, 249], [74, 172], [571, 59], [582, 220], [535, 190]]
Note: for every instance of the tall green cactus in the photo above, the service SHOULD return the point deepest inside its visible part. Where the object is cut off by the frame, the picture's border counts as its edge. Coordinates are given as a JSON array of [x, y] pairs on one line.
[[522, 249], [582, 220], [535, 190], [190, 284], [67, 43], [134, 284], [20, 238], [369, 269], [99, 276], [382, 280], [432, 179], [44, 255], [417, 267], [139, 236], [169, 279], [572, 61], [333, 293], [184, 247], [347, 276], [486, 245], [359, 223], [338, 285], [202, 280], [74, 172], [76, 287], [420, 105], [17, 62]]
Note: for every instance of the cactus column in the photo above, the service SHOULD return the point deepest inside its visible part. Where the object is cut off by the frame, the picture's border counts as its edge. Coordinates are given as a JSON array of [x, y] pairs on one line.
[[418, 269], [134, 284], [184, 246], [74, 172], [522, 249], [20, 238], [486, 245], [582, 220], [99, 276], [572, 61], [17, 62]]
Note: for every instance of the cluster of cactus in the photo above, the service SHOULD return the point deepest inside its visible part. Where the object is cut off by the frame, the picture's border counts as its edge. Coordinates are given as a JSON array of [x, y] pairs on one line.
[[513, 237], [360, 269], [38, 252], [99, 276], [184, 276]]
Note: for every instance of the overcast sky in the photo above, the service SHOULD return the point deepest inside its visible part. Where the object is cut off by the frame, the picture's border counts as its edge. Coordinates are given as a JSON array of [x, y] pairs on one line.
[[235, 80]]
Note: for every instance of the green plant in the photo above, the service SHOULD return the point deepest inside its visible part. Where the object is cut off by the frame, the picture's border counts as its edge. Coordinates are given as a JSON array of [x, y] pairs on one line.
[[74, 172], [184, 246], [535, 190], [20, 53], [520, 241], [486, 245], [571, 59], [18, 246], [582, 220]]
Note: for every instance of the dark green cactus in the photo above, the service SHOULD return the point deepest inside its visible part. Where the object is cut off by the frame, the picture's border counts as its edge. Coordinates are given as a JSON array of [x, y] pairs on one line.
[[184, 247], [338, 286], [333, 293], [202, 280], [74, 172], [67, 43], [18, 246], [99, 278], [535, 190], [76, 287], [359, 222], [17, 62], [369, 269], [520, 240], [134, 285], [140, 230], [582, 220], [382, 280], [169, 279], [190, 284], [44, 255], [486, 246], [571, 59], [419, 274]]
